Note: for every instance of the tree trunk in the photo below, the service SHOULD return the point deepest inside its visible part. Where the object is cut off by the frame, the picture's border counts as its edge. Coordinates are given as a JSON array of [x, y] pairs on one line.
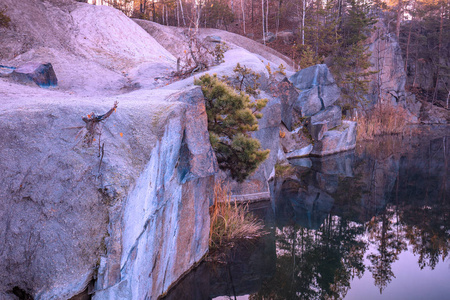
[[243, 14], [278, 15], [267, 17], [441, 25], [263, 23], [198, 15], [409, 37], [253, 1], [303, 21], [317, 28], [153, 11], [399, 18], [178, 14], [182, 13], [163, 12]]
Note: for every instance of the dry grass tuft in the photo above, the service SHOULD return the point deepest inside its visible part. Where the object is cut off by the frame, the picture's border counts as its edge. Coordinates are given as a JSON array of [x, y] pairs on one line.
[[382, 119], [229, 221]]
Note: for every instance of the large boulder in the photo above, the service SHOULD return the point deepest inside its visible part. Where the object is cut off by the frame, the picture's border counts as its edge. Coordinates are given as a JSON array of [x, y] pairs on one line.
[[309, 102], [312, 76], [293, 140], [33, 72], [319, 90], [317, 130]]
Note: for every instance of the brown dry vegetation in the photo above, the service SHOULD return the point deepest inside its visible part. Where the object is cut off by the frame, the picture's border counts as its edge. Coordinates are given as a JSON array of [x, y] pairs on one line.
[[230, 222], [383, 118], [4, 19]]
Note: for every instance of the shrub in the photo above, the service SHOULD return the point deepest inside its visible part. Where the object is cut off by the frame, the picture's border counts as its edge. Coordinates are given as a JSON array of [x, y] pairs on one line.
[[199, 55], [4, 19], [231, 116], [383, 118], [229, 221], [244, 80]]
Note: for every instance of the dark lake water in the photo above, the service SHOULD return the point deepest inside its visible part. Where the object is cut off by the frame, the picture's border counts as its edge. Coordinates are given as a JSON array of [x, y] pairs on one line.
[[373, 223]]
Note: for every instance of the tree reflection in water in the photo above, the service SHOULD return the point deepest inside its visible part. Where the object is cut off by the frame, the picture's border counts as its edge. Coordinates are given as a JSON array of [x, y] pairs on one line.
[[346, 215], [389, 204]]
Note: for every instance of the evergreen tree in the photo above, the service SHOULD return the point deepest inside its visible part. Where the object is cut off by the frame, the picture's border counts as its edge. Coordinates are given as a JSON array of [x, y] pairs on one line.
[[231, 117], [351, 60]]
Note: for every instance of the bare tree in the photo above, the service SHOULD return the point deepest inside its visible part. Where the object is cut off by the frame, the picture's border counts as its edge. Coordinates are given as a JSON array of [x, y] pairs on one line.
[[441, 23], [303, 20], [399, 18], [263, 23], [243, 14]]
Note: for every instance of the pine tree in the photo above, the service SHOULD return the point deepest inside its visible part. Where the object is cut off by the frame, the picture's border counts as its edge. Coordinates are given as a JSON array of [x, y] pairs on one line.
[[351, 60], [231, 117]]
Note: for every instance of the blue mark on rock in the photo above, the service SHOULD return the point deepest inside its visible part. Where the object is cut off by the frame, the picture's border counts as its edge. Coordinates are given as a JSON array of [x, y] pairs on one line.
[[41, 74]]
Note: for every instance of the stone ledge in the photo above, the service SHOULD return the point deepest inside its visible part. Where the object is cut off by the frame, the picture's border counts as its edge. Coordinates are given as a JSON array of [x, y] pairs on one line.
[[250, 198]]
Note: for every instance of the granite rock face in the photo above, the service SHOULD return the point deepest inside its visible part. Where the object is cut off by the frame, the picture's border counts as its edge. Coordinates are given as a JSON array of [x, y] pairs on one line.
[[386, 59], [314, 106], [52, 216], [332, 116], [132, 214], [318, 89], [143, 208], [166, 215]]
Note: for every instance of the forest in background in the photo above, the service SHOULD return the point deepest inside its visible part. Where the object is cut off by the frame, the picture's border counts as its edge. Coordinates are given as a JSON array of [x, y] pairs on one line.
[[334, 32]]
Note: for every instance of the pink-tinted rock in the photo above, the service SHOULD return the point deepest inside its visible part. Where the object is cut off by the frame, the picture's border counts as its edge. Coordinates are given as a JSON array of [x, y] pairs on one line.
[[32, 72]]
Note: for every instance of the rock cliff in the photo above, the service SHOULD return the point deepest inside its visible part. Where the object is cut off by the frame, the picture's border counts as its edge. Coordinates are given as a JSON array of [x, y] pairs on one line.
[[131, 211], [127, 215], [388, 83], [69, 211]]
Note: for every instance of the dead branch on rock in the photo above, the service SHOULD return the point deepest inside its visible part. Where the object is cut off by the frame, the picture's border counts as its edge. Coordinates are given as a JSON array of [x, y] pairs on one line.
[[92, 121], [199, 55]]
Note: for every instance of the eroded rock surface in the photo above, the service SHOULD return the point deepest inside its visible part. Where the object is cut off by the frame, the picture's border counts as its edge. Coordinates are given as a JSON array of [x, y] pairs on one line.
[[388, 83], [318, 89]]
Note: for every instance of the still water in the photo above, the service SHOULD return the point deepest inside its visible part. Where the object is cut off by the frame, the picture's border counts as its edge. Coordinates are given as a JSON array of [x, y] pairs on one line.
[[373, 223]]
